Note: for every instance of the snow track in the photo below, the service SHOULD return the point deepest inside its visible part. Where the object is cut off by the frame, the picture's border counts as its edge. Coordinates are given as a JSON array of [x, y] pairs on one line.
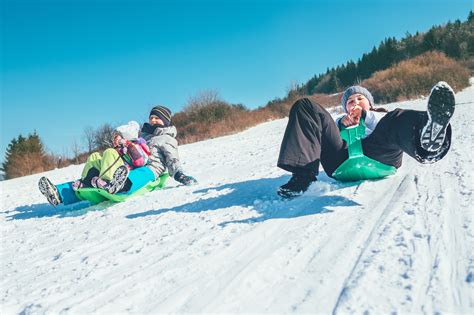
[[229, 245]]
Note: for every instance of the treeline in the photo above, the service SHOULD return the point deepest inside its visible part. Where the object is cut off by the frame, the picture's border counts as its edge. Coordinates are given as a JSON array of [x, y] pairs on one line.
[[414, 77], [455, 40], [27, 155], [396, 70]]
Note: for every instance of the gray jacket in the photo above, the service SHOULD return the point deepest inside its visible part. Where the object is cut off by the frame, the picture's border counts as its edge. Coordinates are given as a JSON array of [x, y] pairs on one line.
[[164, 150]]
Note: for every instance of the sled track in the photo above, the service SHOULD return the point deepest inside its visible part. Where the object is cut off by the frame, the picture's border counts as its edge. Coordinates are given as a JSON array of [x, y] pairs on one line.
[[386, 210]]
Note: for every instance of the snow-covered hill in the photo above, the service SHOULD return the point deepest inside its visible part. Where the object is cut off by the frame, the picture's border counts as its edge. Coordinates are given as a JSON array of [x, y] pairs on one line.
[[230, 245]]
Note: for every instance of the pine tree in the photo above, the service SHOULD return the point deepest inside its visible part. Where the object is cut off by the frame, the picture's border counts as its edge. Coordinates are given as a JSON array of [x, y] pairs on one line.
[[24, 156]]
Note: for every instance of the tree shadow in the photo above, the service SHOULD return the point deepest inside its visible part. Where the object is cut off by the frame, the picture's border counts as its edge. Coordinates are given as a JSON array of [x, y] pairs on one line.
[[260, 195], [61, 211]]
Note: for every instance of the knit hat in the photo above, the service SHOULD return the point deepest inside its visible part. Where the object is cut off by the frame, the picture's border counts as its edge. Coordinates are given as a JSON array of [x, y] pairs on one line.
[[356, 89], [128, 131], [164, 113]]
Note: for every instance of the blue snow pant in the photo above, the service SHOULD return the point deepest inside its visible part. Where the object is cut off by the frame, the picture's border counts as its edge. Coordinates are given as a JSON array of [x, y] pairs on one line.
[[139, 177]]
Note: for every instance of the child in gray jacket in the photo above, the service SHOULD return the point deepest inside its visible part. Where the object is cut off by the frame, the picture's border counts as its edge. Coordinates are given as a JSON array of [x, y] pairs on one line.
[[160, 135]]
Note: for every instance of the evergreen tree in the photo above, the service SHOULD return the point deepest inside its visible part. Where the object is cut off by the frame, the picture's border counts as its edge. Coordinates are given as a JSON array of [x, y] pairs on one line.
[[24, 156], [455, 39]]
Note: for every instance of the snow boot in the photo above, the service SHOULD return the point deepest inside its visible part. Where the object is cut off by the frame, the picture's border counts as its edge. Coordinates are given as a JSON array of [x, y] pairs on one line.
[[296, 186], [115, 184], [440, 110], [185, 179], [49, 191]]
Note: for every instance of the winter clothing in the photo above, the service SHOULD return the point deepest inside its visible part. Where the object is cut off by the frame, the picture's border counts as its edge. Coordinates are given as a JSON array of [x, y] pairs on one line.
[[65, 194], [115, 184], [128, 131], [163, 149], [164, 113], [440, 110], [68, 195], [138, 178], [134, 153], [312, 137], [132, 149], [297, 185], [184, 179], [49, 191], [109, 171], [105, 164], [305, 144], [371, 119], [356, 89]]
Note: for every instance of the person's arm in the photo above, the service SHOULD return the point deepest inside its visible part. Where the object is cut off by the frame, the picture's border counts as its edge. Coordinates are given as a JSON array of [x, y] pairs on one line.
[[339, 123], [142, 143]]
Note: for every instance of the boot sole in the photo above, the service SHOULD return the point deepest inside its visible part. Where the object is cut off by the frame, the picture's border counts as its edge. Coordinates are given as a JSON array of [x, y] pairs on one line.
[[286, 194], [118, 180], [49, 191], [440, 110]]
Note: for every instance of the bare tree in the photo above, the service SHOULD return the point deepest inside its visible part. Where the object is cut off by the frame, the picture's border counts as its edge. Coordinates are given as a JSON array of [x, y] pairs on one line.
[[103, 137], [89, 138], [76, 151], [202, 99]]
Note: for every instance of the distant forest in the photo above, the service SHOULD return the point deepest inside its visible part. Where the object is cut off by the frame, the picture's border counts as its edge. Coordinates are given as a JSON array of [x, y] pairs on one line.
[[455, 40]]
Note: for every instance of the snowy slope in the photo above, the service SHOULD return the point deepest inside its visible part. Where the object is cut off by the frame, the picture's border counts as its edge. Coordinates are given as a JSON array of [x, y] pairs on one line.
[[229, 244]]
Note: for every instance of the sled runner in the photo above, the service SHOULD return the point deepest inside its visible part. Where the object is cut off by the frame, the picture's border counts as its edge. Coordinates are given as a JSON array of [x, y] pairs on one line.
[[358, 166]]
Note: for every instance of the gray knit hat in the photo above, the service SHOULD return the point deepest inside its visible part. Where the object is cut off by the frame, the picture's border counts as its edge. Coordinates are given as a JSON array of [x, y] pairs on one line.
[[356, 89]]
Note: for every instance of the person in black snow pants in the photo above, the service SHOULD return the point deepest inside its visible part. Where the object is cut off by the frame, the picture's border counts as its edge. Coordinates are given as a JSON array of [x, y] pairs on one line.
[[312, 137]]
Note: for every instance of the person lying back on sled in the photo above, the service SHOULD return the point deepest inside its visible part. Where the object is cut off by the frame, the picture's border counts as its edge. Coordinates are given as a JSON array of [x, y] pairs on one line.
[[109, 170], [313, 137], [160, 135], [128, 150]]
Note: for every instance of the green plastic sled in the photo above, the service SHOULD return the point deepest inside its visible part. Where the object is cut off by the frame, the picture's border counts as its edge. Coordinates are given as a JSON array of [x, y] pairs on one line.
[[96, 195], [358, 166]]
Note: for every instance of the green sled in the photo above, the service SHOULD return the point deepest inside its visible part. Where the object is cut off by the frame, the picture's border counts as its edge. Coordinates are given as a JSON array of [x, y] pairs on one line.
[[96, 195], [358, 166]]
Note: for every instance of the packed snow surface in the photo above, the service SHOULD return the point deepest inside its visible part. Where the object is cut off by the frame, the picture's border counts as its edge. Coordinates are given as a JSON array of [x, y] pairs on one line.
[[231, 245]]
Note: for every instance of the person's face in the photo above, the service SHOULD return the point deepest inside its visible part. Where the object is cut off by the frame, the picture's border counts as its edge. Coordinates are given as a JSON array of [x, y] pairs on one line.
[[357, 100], [116, 140], [155, 120]]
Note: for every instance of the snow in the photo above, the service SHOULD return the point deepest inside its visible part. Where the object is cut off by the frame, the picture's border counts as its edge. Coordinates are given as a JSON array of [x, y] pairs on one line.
[[404, 244]]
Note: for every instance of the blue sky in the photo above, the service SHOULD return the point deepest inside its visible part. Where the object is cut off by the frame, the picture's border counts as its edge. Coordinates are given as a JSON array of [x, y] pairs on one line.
[[70, 64]]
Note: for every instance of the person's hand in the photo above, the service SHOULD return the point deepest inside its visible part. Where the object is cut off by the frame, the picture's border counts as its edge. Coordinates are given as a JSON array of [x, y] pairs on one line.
[[353, 118], [119, 142]]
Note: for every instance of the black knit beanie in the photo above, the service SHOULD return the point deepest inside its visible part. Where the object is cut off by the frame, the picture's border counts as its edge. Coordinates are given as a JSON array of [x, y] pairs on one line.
[[164, 113]]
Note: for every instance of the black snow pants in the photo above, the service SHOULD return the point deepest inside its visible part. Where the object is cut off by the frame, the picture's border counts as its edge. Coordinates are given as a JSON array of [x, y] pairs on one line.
[[312, 137]]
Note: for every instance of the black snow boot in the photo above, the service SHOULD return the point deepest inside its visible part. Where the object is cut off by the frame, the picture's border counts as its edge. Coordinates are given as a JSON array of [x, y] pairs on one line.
[[185, 179], [440, 110], [296, 186]]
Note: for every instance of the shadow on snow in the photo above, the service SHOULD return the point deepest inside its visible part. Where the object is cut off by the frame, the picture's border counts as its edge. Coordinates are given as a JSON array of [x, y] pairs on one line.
[[46, 210], [260, 195]]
